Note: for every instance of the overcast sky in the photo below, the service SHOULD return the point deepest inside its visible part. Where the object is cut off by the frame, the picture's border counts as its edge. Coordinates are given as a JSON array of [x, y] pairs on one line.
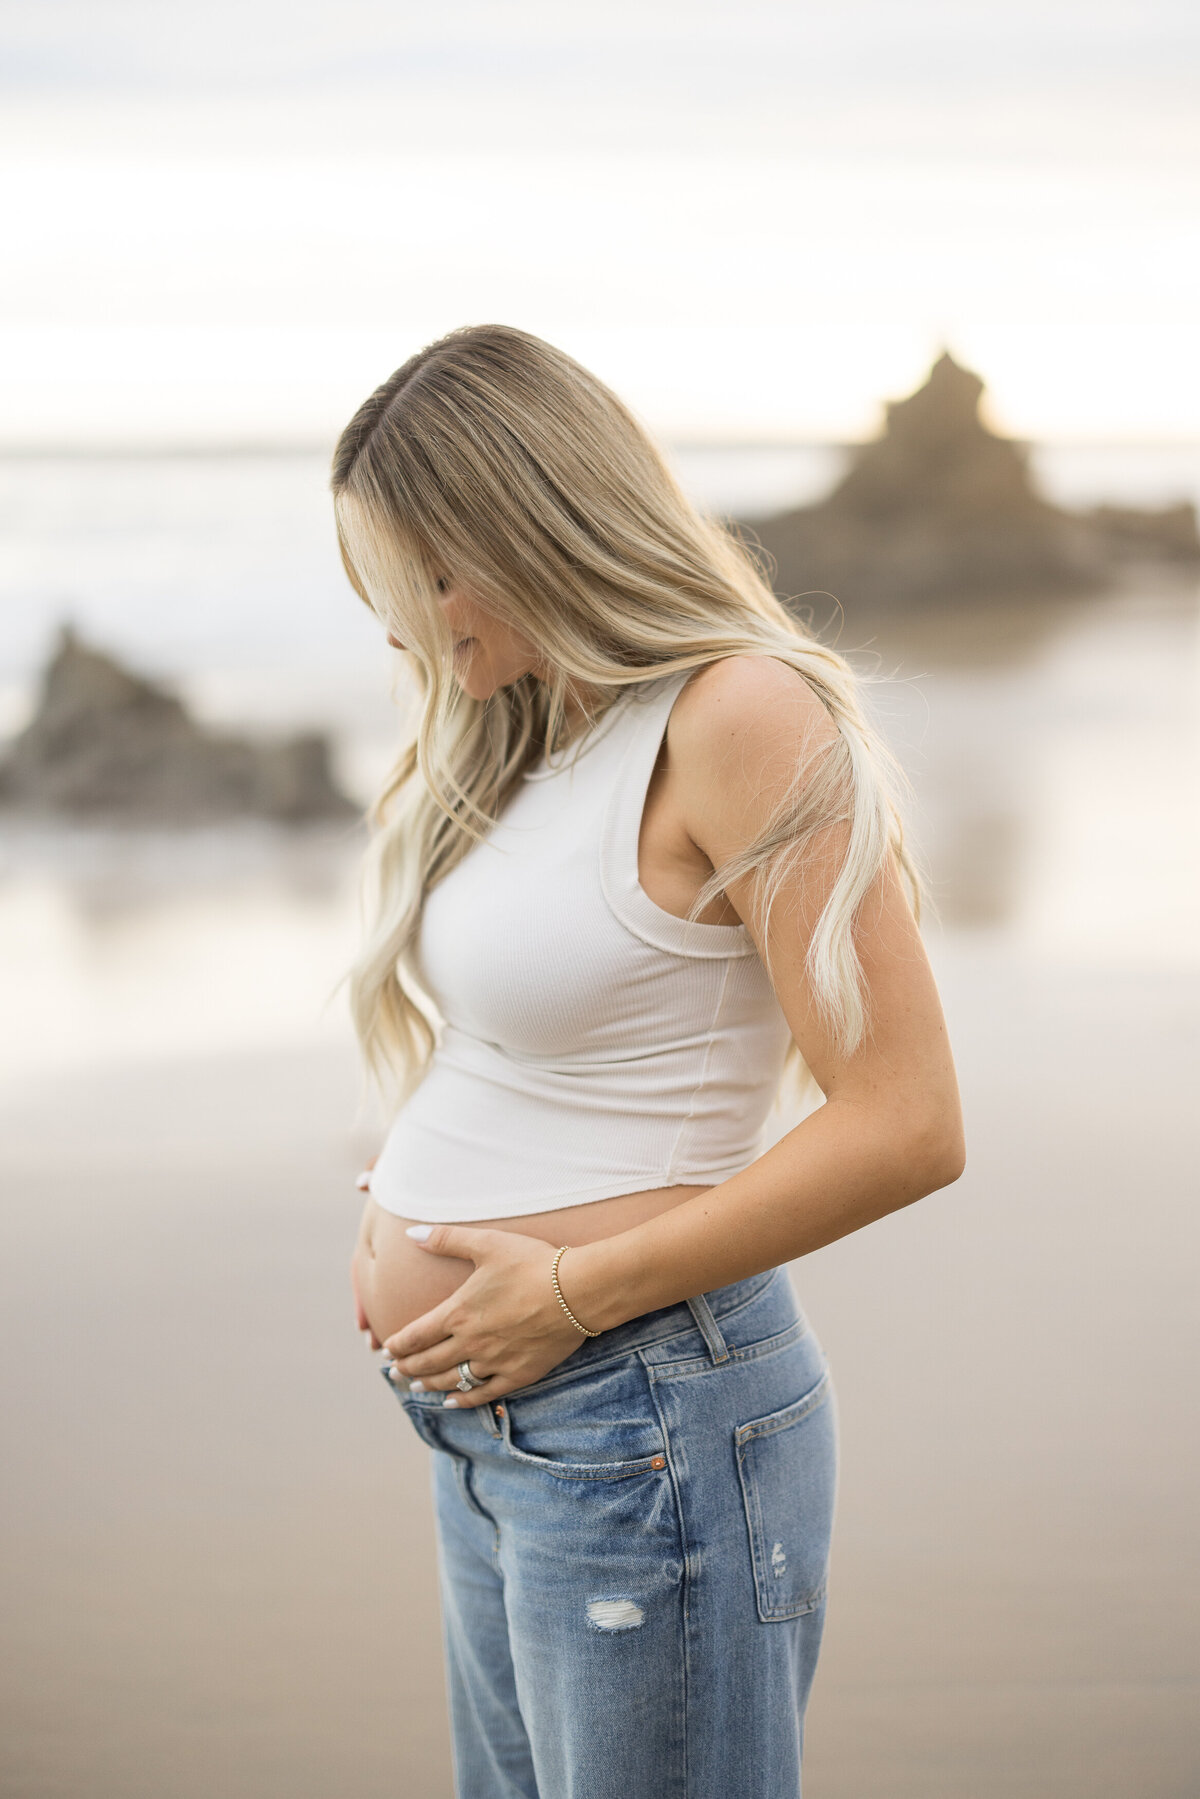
[[227, 222]]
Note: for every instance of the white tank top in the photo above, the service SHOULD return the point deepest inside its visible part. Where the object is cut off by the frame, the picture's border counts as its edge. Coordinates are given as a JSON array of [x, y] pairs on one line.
[[593, 1044]]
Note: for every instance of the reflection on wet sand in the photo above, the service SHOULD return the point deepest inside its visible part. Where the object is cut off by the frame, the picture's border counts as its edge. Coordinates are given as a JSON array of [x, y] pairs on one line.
[[1010, 722]]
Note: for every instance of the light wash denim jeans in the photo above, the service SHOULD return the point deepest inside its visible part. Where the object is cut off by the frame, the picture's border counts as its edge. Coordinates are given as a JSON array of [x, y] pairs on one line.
[[633, 1556]]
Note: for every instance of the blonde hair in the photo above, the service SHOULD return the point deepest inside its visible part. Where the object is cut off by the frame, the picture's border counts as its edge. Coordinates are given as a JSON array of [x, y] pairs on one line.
[[496, 459]]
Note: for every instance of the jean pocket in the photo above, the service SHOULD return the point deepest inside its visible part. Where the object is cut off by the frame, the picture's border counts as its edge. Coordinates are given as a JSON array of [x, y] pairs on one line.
[[787, 1465], [600, 1428], [616, 1470]]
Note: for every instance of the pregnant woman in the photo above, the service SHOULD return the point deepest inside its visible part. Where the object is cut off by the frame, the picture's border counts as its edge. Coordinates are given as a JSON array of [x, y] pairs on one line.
[[642, 862]]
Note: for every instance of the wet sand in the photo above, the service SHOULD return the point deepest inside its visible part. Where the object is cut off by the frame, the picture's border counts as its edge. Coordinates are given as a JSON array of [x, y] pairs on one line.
[[218, 1572]]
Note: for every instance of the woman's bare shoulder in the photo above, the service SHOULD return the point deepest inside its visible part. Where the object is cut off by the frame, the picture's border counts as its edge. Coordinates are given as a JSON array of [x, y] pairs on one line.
[[743, 719], [739, 731]]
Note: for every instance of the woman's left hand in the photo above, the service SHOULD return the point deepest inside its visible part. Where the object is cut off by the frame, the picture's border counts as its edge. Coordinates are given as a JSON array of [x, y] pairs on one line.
[[504, 1319]]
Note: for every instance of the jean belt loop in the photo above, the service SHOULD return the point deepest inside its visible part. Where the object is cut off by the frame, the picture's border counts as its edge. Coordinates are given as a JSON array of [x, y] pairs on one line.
[[708, 1327]]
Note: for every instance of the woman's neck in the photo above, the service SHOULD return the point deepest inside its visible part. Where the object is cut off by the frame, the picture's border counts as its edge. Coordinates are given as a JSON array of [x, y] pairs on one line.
[[579, 705]]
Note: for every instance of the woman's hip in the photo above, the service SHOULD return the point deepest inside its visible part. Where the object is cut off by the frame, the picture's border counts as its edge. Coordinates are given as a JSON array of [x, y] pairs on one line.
[[686, 1430], [744, 1327]]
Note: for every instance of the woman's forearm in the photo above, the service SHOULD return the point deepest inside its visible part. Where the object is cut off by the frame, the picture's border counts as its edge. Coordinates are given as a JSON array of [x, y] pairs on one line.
[[840, 1169]]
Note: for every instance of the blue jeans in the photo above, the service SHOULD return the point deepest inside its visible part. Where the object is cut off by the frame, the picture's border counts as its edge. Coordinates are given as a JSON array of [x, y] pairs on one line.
[[633, 1557]]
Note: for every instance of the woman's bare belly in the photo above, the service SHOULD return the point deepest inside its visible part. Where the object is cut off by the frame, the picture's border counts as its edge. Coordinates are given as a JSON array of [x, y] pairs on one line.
[[396, 1282]]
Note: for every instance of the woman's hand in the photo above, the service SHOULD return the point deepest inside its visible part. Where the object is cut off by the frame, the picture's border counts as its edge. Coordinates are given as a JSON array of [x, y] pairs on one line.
[[504, 1319]]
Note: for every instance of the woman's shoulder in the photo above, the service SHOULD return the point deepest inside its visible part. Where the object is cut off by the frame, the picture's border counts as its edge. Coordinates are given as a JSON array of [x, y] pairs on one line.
[[757, 705], [742, 732]]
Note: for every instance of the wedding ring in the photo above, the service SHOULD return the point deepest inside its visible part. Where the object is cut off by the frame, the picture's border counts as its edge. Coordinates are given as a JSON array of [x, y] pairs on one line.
[[466, 1380]]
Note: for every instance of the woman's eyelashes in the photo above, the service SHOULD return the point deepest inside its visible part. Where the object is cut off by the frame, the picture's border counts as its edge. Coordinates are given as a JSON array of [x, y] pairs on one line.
[[442, 585]]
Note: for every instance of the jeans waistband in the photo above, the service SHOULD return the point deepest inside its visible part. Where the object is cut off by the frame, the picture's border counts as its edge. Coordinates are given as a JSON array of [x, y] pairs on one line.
[[704, 1313], [712, 1315]]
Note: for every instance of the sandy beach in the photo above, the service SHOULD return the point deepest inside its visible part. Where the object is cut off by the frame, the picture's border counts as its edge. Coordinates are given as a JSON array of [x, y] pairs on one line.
[[218, 1553]]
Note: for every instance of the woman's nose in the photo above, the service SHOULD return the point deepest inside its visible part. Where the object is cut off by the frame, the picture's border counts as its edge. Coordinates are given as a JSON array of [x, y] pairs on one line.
[[395, 642]]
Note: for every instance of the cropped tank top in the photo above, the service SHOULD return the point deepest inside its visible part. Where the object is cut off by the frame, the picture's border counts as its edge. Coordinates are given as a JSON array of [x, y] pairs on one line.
[[592, 1044]]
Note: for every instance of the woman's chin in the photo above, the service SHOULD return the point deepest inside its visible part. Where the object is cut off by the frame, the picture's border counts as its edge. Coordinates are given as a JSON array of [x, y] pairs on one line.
[[473, 683]]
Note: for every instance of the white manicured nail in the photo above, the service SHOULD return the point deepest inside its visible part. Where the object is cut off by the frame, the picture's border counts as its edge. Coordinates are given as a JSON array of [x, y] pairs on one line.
[[363, 1183], [449, 1402], [416, 1386], [419, 1232]]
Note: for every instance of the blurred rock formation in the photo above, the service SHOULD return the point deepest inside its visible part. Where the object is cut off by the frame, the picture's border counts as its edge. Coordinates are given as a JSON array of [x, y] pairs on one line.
[[107, 744], [939, 507]]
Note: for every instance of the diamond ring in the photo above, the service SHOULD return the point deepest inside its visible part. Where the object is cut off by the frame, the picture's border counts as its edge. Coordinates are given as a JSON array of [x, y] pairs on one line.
[[466, 1380]]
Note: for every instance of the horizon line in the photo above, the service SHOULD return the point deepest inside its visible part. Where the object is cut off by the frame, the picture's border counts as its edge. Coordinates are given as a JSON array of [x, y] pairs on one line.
[[229, 449]]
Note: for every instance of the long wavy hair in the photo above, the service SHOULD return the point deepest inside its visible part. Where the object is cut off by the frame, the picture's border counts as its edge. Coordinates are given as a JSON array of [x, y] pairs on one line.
[[494, 457]]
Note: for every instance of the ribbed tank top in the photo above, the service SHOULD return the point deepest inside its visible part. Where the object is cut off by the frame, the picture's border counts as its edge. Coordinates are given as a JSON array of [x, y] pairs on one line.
[[593, 1044]]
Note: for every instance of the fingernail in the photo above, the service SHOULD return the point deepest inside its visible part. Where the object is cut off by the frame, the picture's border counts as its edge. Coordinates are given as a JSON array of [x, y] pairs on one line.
[[419, 1231], [394, 1373], [416, 1386], [447, 1403], [363, 1183]]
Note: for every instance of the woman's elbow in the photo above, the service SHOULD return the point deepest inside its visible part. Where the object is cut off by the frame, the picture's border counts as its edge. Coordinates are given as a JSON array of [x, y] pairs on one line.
[[953, 1163], [938, 1151]]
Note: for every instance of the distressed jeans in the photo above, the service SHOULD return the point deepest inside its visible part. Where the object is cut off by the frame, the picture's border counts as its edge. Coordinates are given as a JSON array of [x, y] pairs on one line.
[[633, 1556]]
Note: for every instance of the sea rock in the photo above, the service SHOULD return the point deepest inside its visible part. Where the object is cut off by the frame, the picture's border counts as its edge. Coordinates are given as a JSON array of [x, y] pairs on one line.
[[106, 743], [940, 507]]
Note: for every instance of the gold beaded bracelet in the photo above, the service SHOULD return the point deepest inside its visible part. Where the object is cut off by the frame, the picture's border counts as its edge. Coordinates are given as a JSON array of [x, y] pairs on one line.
[[562, 1302]]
